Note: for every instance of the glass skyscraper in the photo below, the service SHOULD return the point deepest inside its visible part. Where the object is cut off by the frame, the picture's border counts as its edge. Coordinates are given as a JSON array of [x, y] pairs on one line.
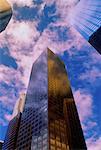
[[87, 20], [50, 119], [5, 14], [1, 144], [13, 127], [12, 132], [33, 132]]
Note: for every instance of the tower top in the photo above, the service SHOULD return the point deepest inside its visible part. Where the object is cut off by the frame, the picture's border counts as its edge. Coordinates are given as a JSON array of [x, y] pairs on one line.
[[19, 105], [4, 5]]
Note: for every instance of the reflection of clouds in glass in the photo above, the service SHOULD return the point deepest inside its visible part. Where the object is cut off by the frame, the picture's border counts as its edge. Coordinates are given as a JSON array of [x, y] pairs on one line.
[[38, 80], [35, 111]]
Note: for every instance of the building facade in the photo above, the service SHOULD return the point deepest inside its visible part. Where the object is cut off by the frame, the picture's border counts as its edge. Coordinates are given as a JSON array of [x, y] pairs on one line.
[[13, 127], [5, 14], [46, 122], [12, 132], [87, 20], [19, 106], [33, 132], [95, 40], [74, 133], [1, 144]]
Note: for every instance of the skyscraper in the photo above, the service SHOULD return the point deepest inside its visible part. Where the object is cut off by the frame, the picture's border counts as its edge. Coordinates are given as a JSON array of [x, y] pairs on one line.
[[5, 14], [13, 127], [87, 20], [12, 132], [50, 118], [1, 144], [19, 105]]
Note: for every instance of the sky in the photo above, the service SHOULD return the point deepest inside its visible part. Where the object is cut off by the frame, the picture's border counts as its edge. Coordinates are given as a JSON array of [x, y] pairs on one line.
[[36, 25]]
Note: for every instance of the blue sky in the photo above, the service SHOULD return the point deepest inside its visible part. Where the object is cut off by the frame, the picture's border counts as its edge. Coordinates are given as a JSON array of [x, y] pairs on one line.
[[7, 60], [34, 27]]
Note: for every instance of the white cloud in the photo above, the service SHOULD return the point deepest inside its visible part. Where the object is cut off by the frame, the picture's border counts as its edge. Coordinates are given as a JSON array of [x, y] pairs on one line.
[[22, 3], [8, 117], [8, 74], [21, 35], [46, 40], [20, 38], [96, 58], [94, 144], [84, 104], [91, 75]]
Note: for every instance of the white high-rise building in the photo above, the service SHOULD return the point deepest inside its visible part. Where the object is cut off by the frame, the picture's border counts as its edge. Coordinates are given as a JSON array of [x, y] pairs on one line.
[[19, 105], [5, 14], [86, 17]]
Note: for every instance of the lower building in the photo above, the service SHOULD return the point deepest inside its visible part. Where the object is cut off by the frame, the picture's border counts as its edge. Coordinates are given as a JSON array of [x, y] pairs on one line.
[[12, 132], [1, 144]]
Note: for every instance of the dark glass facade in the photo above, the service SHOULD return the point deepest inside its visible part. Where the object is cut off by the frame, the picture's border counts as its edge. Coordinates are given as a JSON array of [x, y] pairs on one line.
[[12, 132], [57, 90], [5, 14], [44, 123], [95, 40], [65, 131], [74, 133], [1, 144]]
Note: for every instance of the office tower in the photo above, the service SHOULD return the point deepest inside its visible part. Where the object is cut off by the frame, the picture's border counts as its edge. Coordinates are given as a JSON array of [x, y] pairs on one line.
[[19, 105], [1, 144], [5, 14], [87, 20], [50, 118], [13, 127], [11, 135]]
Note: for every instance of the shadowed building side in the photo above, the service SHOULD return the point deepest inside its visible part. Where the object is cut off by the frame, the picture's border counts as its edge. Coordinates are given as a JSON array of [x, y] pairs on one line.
[[1, 144], [95, 40], [74, 132], [58, 89], [65, 131], [12, 132], [14, 124]]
